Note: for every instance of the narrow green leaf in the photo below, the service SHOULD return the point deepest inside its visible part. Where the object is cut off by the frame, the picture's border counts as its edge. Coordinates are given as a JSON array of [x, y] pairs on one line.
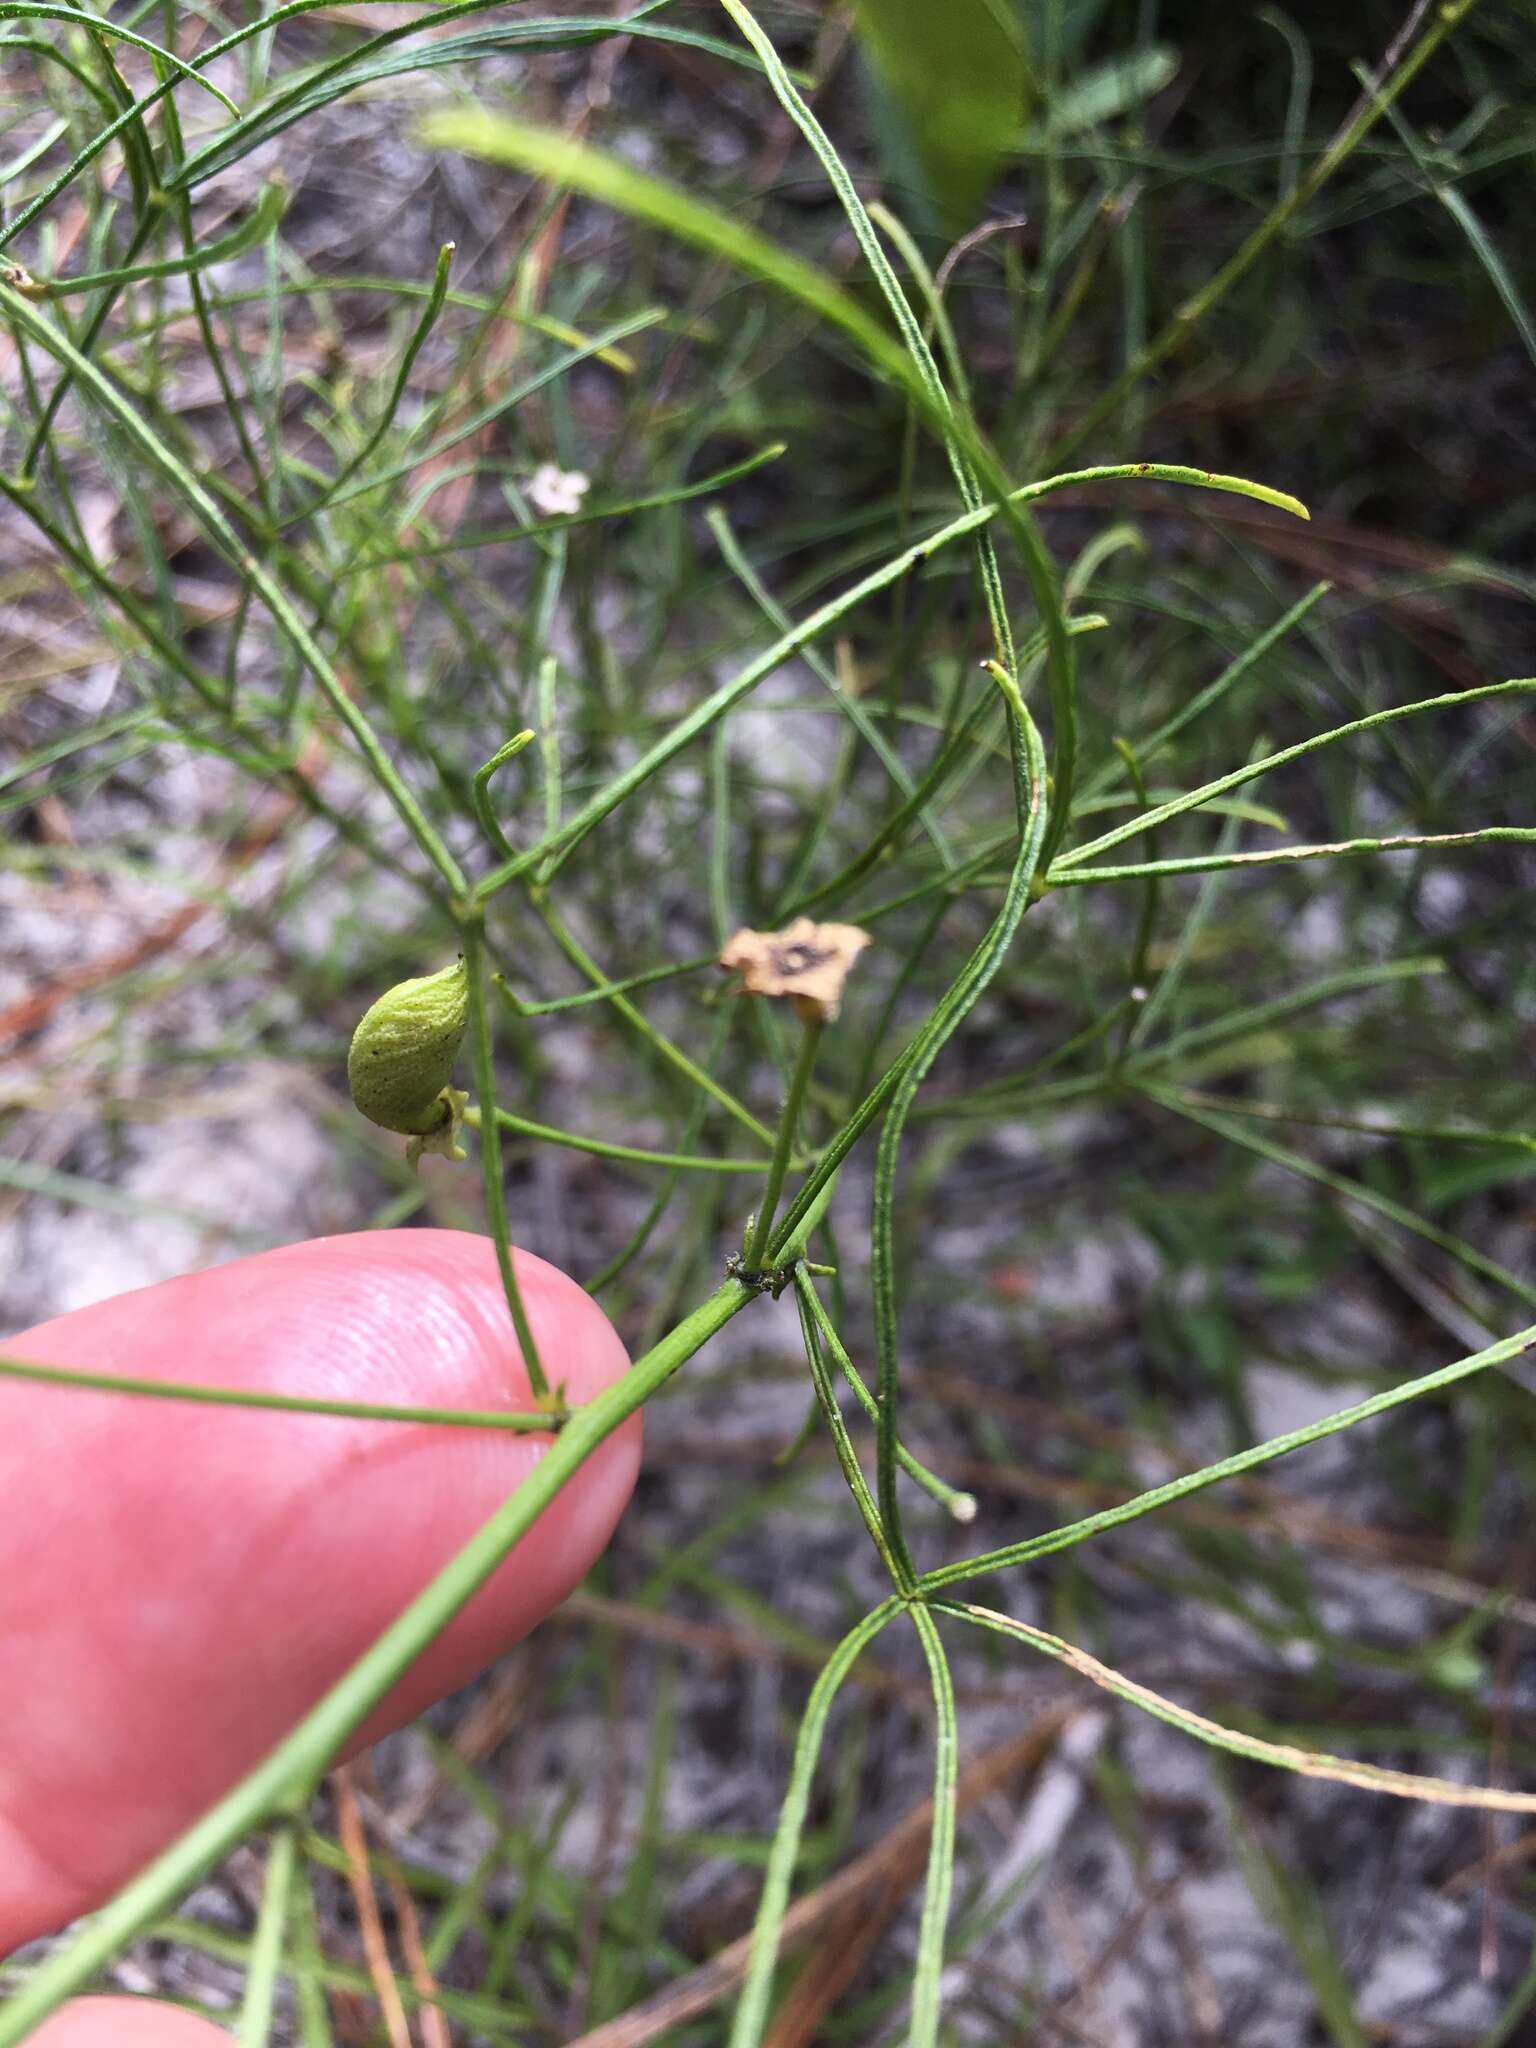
[[1104, 91], [1073, 1533], [956, 87], [545, 153]]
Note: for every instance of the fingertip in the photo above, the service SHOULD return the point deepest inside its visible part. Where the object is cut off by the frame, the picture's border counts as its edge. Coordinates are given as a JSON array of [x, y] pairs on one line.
[[185, 1581], [126, 2023]]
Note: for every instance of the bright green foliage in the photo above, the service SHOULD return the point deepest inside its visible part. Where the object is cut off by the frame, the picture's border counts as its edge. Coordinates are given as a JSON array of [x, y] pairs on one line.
[[954, 88]]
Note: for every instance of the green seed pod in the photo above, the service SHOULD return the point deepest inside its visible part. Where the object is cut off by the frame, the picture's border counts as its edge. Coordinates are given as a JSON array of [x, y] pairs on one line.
[[403, 1051]]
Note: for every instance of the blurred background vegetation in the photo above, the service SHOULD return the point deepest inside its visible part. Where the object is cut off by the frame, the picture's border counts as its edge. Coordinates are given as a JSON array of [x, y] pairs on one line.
[[1214, 1155]]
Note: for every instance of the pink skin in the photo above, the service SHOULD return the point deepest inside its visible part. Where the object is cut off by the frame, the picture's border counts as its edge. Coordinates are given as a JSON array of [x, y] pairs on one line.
[[178, 1584]]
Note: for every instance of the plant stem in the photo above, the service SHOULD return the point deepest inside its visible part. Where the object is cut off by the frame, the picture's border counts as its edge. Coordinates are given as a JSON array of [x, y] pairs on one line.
[[783, 1145], [604, 1148], [826, 1400], [480, 792], [267, 1947], [928, 1966], [751, 2016], [639, 1023], [1032, 814], [1073, 1533], [472, 933], [287, 1404], [559, 844], [962, 1506]]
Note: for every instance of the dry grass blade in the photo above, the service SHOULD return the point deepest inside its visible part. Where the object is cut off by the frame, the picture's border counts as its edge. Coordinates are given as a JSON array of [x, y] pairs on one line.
[[434, 2025], [354, 1842], [834, 1964]]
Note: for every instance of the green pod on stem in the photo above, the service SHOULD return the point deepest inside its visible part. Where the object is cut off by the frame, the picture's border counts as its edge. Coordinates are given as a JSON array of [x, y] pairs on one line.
[[402, 1055]]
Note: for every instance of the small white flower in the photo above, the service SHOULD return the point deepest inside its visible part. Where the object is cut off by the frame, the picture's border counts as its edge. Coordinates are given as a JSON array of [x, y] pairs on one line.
[[556, 492]]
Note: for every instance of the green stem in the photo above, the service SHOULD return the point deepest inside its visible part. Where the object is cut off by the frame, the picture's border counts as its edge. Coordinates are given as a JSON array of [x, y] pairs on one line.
[[961, 1505], [928, 1967], [977, 471], [472, 933], [811, 1324], [602, 1148], [1073, 1533], [1152, 743], [258, 224], [506, 402], [623, 986], [267, 1947], [1032, 815], [413, 348], [285, 1404], [849, 707], [1148, 821], [638, 1022], [783, 1145], [287, 1775], [539, 529], [955, 429], [480, 791], [757, 1988], [557, 845], [309, 1970], [41, 445], [1278, 856]]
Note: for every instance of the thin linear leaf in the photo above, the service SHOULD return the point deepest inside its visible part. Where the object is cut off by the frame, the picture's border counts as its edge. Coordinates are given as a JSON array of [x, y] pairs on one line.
[[546, 153], [1065, 1538], [1285, 1756], [286, 1404], [751, 2015], [1282, 856], [1150, 820]]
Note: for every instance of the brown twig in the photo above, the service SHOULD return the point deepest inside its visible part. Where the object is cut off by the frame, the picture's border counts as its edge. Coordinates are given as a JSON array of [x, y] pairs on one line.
[[430, 2016], [354, 1844]]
